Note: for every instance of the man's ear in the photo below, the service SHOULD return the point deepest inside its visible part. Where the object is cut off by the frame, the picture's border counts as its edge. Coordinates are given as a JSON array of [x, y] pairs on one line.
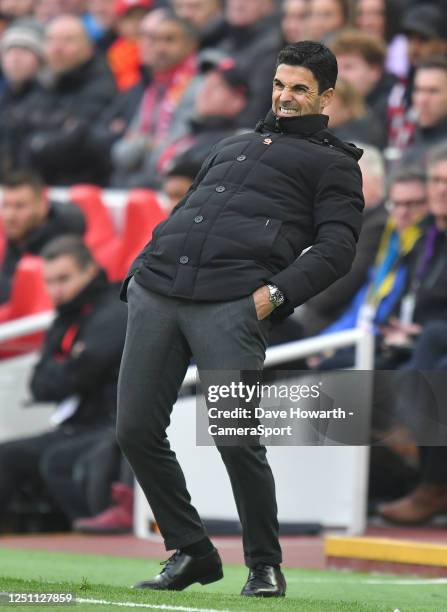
[[326, 97]]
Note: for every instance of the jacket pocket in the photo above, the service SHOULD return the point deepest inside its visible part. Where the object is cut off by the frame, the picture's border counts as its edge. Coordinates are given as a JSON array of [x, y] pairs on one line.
[[266, 233]]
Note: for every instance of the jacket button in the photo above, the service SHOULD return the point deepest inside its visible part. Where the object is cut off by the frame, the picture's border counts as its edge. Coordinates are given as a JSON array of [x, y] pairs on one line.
[[241, 158], [184, 259], [198, 219], [220, 189]]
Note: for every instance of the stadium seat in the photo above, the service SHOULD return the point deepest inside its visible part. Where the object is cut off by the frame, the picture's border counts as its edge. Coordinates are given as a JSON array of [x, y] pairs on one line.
[[100, 228], [28, 296], [143, 213]]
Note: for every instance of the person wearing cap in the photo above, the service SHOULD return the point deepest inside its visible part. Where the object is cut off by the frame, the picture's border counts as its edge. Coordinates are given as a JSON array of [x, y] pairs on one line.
[[123, 55], [233, 257], [221, 98], [22, 57]]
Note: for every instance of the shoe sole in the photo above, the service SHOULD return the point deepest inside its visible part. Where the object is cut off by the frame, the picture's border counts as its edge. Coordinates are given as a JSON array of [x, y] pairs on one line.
[[211, 577]]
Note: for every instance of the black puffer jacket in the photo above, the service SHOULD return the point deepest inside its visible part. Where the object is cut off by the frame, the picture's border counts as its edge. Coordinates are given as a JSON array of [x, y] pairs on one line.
[[259, 200], [97, 319]]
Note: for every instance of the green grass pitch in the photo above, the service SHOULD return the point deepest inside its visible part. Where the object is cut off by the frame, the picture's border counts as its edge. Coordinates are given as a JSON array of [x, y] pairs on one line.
[[96, 577]]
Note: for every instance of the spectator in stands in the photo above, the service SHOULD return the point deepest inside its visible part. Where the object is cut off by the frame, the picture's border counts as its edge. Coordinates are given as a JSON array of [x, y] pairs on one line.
[[351, 120], [376, 302], [123, 54], [253, 41], [16, 8], [293, 24], [325, 307], [115, 119], [46, 10], [207, 16], [381, 18], [30, 221], [166, 106], [221, 98], [78, 369], [177, 180], [361, 59], [326, 17], [102, 17], [63, 113], [21, 60], [430, 104]]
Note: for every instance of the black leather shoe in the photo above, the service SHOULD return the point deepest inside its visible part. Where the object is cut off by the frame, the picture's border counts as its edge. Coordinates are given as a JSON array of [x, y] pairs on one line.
[[265, 581], [182, 570]]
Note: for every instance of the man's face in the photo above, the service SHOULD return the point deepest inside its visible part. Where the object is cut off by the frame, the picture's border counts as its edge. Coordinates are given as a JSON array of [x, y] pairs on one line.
[[198, 12], [408, 203], [66, 45], [241, 13], [19, 65], [171, 45], [17, 8], [217, 99], [437, 188], [430, 96], [420, 48], [370, 17], [47, 9], [174, 188], [295, 92], [65, 279], [325, 16], [103, 11], [22, 210], [294, 14], [362, 76], [147, 35]]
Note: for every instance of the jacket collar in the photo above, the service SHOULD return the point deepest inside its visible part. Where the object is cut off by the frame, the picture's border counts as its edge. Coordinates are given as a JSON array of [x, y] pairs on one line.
[[305, 125]]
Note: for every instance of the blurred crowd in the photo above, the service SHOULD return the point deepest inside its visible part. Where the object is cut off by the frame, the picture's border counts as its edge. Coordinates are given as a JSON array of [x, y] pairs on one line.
[[133, 94]]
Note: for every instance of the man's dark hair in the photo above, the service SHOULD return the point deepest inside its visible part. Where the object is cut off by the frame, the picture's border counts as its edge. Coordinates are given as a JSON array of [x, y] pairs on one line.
[[70, 245], [314, 56], [187, 26], [438, 62], [182, 166], [24, 178], [406, 174]]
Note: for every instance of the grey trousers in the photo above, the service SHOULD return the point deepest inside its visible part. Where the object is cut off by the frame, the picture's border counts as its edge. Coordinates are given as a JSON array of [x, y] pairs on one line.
[[162, 334]]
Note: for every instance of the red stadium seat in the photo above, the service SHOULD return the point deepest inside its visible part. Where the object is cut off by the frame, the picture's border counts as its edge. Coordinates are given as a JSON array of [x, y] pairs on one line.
[[143, 213], [28, 296], [100, 229]]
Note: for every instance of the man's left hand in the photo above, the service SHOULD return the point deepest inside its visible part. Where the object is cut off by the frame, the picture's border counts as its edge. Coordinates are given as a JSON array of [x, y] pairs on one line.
[[262, 302]]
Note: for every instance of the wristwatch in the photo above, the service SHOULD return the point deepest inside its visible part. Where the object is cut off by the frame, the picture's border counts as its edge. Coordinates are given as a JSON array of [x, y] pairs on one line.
[[276, 296]]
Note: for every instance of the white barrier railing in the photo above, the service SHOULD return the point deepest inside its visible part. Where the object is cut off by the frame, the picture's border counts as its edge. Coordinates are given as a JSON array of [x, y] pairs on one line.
[[362, 340]]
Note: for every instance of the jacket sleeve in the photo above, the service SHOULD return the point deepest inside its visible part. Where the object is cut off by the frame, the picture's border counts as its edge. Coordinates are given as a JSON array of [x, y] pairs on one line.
[[103, 342], [338, 207]]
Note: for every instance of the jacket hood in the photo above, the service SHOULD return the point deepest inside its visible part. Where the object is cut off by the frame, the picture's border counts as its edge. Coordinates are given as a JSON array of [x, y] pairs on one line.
[[314, 127]]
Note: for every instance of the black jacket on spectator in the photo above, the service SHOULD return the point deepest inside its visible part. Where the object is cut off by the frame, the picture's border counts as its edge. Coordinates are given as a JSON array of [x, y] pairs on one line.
[[325, 308], [61, 219], [258, 201], [15, 106], [97, 319], [378, 97], [255, 49], [61, 117], [423, 140]]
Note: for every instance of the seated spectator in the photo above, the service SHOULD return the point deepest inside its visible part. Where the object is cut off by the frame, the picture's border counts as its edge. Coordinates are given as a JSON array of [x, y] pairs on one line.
[[63, 113], [377, 300], [46, 10], [177, 180], [100, 21], [78, 369], [361, 61], [430, 105], [253, 41], [30, 221], [207, 16], [166, 105], [324, 308], [327, 17], [428, 498], [293, 24], [351, 120], [382, 19], [123, 54], [21, 60], [220, 100]]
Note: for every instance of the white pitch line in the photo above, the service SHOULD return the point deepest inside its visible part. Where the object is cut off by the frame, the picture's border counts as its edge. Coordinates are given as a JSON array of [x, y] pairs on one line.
[[404, 582], [131, 604]]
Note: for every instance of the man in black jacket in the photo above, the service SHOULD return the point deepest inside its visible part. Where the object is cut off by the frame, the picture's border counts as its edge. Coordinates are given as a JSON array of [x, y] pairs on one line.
[[77, 369], [30, 221], [216, 273]]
